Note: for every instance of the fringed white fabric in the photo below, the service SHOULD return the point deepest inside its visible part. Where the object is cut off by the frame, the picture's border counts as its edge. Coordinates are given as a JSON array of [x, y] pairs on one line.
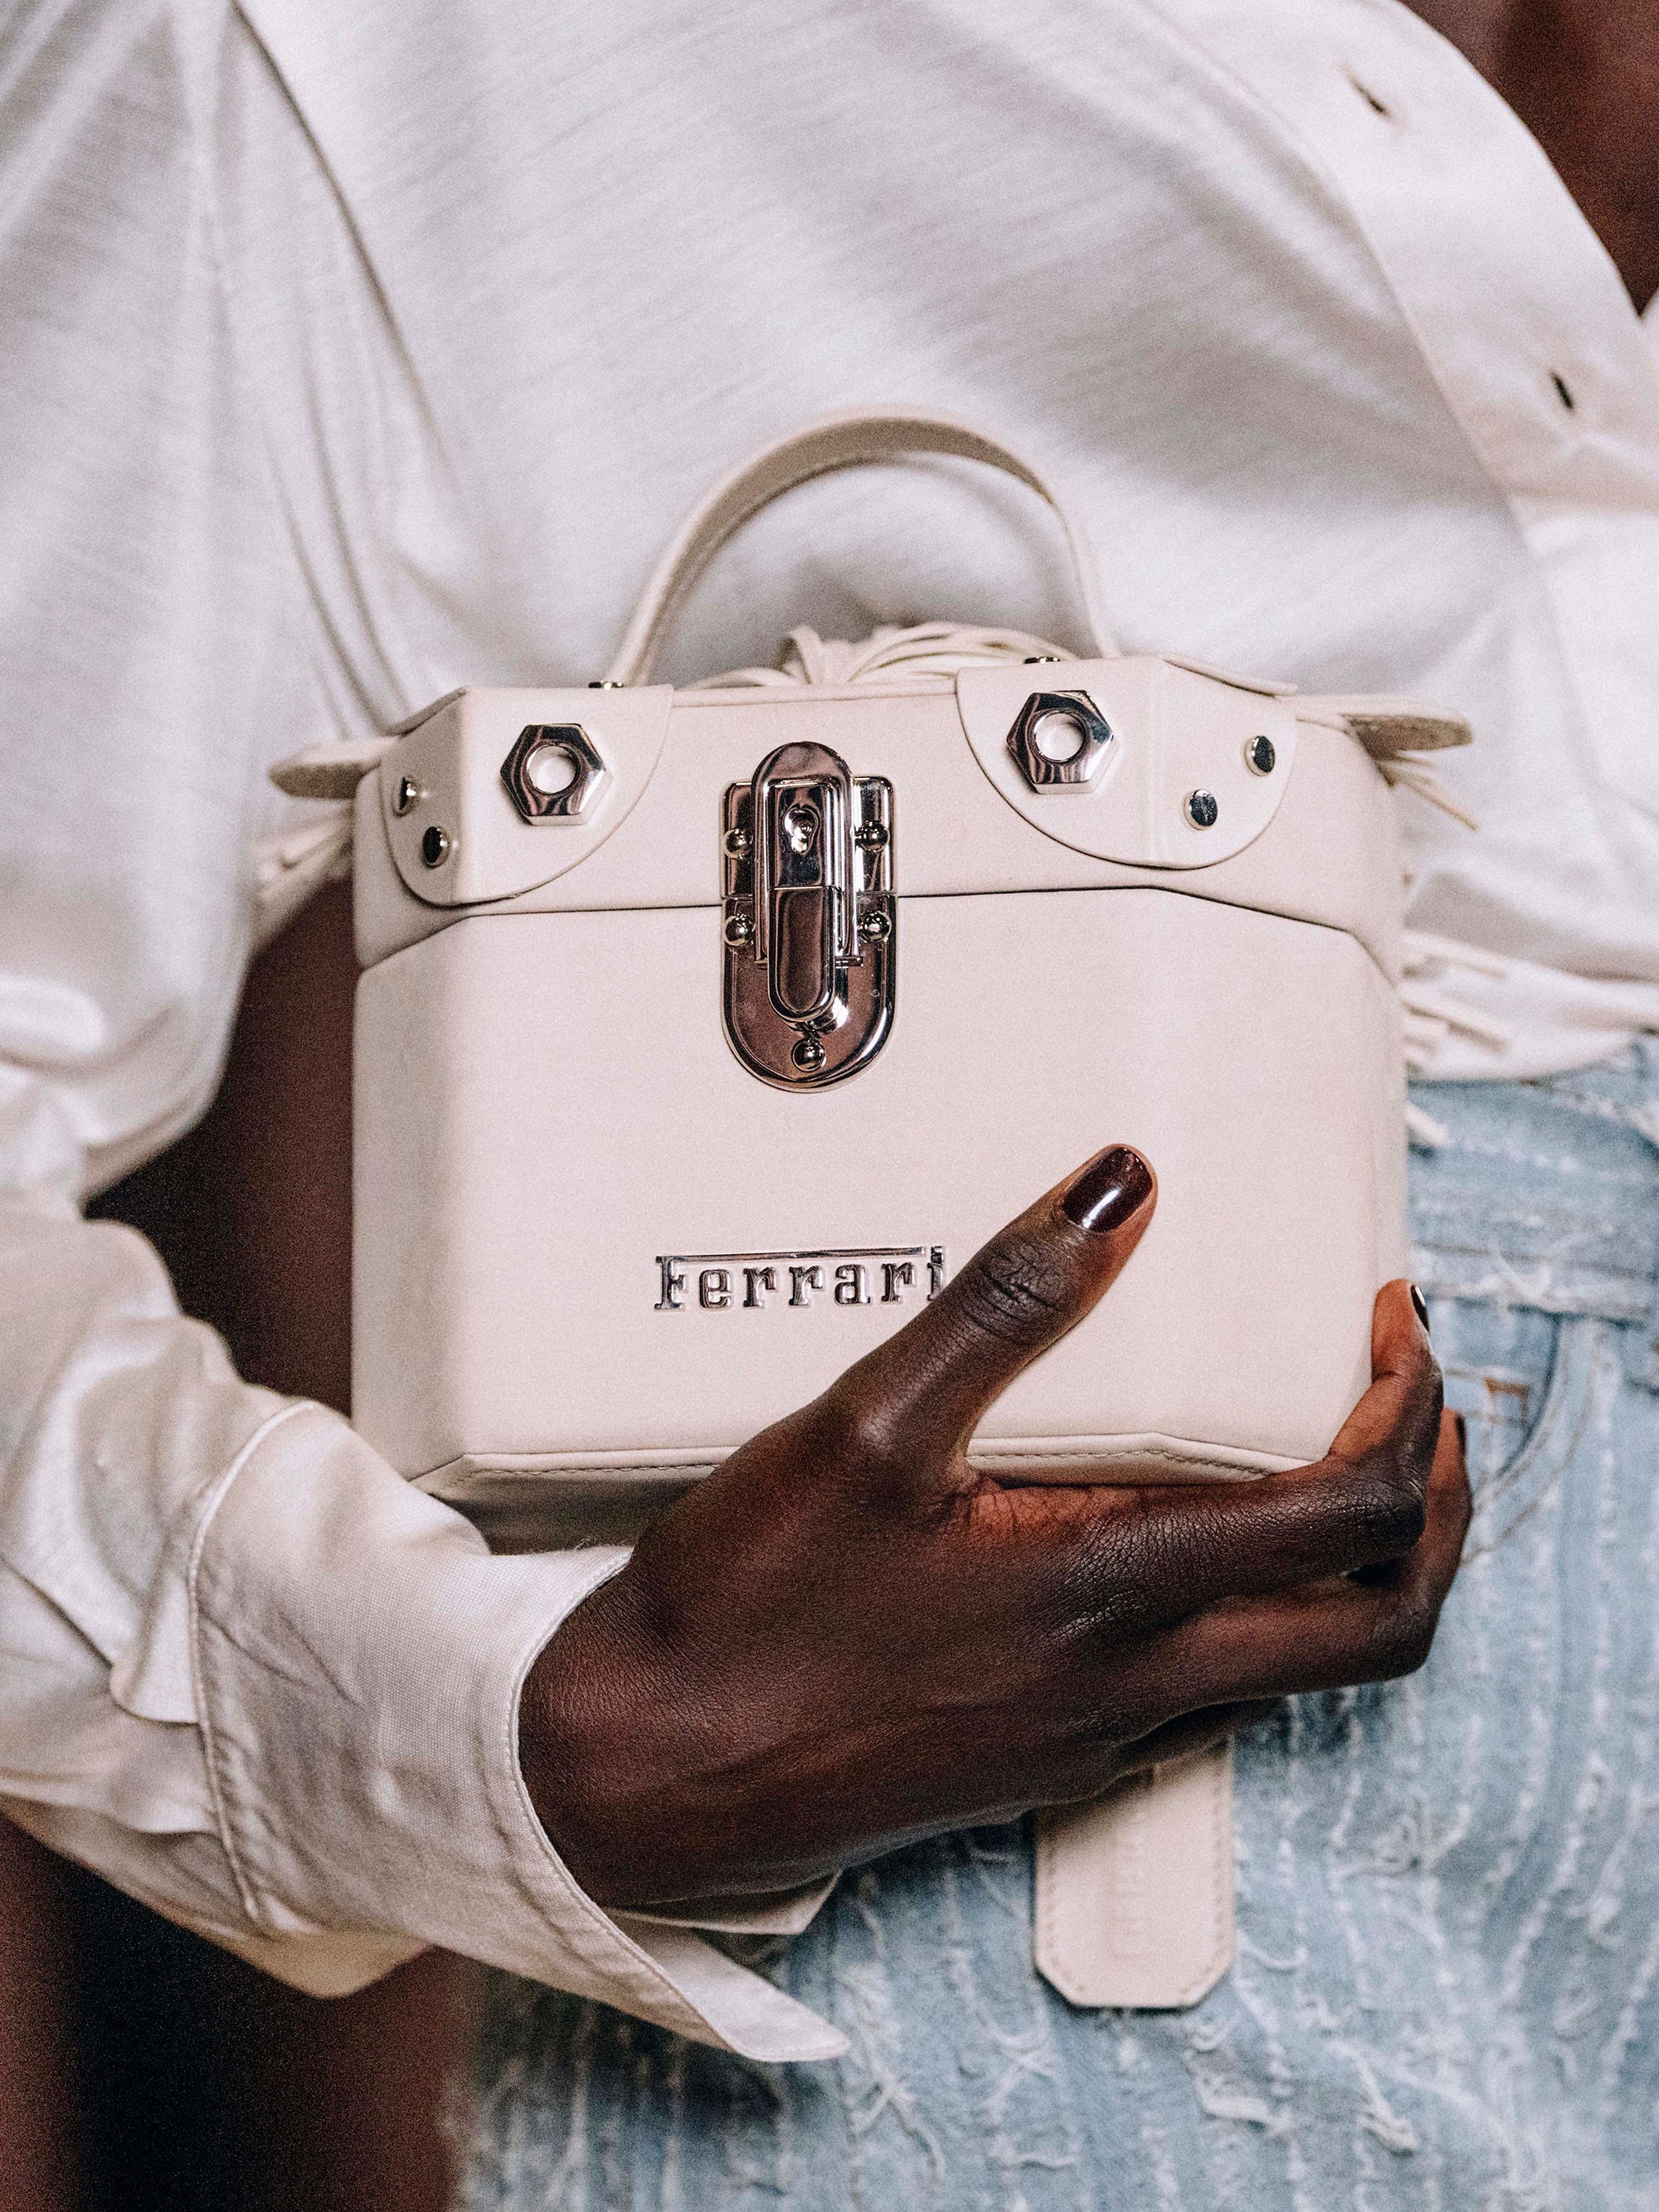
[[926, 651], [291, 867], [1411, 772], [293, 864]]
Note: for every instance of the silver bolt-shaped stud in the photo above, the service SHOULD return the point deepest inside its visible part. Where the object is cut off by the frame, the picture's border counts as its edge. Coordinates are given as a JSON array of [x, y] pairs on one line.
[[1202, 810], [739, 843], [808, 1055], [554, 772], [1261, 756], [876, 924], [739, 929], [434, 846], [405, 795], [1060, 740]]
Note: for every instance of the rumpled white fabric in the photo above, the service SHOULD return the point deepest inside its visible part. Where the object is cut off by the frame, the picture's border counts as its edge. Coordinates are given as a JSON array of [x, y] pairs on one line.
[[353, 353]]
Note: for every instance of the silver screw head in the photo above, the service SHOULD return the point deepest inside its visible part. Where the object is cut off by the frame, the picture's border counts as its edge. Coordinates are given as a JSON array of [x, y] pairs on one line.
[[808, 1055], [739, 929], [873, 834], [876, 924], [434, 846], [405, 795], [1260, 756], [738, 843], [1202, 810]]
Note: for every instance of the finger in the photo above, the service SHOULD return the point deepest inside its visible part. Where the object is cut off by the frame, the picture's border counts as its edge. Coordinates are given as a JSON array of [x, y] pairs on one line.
[[1183, 1548], [1405, 1378], [929, 1386], [1335, 1633], [1449, 1507], [1195, 1732]]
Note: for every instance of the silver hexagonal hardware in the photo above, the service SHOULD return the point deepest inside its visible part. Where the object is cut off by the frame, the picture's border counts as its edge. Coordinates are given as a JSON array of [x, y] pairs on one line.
[[1060, 740], [554, 772]]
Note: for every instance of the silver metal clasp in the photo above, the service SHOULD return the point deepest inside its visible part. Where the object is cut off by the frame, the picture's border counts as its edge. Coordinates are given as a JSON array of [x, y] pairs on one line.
[[808, 917]]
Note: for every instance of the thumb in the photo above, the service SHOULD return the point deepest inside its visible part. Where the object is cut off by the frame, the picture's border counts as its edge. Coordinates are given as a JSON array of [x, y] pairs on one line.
[[928, 1387]]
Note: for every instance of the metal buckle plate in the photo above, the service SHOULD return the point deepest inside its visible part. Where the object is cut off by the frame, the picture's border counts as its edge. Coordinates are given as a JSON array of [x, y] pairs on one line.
[[809, 918]]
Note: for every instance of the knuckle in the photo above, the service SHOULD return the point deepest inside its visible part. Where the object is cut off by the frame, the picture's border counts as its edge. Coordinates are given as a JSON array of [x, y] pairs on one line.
[[1388, 1506], [1105, 1592], [1016, 1288], [1402, 1639], [1120, 1611], [858, 1429]]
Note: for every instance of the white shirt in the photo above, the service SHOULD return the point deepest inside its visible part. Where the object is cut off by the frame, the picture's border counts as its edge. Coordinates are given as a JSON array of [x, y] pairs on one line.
[[353, 353]]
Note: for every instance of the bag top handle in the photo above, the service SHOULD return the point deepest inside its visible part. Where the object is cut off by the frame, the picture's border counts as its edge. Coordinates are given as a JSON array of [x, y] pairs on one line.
[[839, 442]]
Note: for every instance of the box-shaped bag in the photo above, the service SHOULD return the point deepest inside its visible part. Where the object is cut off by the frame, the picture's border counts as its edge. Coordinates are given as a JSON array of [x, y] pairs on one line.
[[703, 1034]]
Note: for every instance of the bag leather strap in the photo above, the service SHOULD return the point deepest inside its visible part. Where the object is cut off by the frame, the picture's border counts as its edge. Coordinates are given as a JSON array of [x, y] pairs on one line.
[[854, 440], [1134, 1894]]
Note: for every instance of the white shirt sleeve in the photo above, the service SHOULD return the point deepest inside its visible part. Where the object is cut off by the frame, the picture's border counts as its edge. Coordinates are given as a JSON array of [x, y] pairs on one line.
[[245, 1672]]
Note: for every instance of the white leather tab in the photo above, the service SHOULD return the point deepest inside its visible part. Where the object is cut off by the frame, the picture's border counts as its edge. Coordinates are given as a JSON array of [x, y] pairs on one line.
[[1386, 726], [1134, 1894], [1174, 732], [330, 771], [456, 806]]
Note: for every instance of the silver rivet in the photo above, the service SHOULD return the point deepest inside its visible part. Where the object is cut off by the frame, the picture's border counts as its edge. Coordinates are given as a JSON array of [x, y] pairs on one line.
[[404, 797], [1202, 810], [808, 1055], [873, 834], [434, 846], [1259, 755], [876, 924], [738, 842], [739, 929]]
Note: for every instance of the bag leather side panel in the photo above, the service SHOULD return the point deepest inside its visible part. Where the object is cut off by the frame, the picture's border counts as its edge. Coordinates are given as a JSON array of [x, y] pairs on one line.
[[546, 1107]]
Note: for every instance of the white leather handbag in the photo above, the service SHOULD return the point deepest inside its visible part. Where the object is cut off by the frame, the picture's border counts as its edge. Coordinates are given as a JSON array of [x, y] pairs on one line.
[[703, 1033]]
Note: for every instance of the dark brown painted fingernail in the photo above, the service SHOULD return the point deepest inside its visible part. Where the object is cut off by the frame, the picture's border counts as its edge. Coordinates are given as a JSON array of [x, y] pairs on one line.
[[1421, 1306], [1116, 1184]]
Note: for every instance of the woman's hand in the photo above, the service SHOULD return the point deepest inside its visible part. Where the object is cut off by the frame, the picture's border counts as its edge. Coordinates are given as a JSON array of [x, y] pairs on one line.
[[847, 1636]]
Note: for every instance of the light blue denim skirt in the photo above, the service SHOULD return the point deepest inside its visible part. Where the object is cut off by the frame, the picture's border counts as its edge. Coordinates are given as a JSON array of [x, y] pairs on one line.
[[1446, 1990]]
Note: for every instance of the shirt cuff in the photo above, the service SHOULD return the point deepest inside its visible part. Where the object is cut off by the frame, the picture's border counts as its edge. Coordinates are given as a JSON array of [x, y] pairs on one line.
[[779, 1913], [359, 1654]]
